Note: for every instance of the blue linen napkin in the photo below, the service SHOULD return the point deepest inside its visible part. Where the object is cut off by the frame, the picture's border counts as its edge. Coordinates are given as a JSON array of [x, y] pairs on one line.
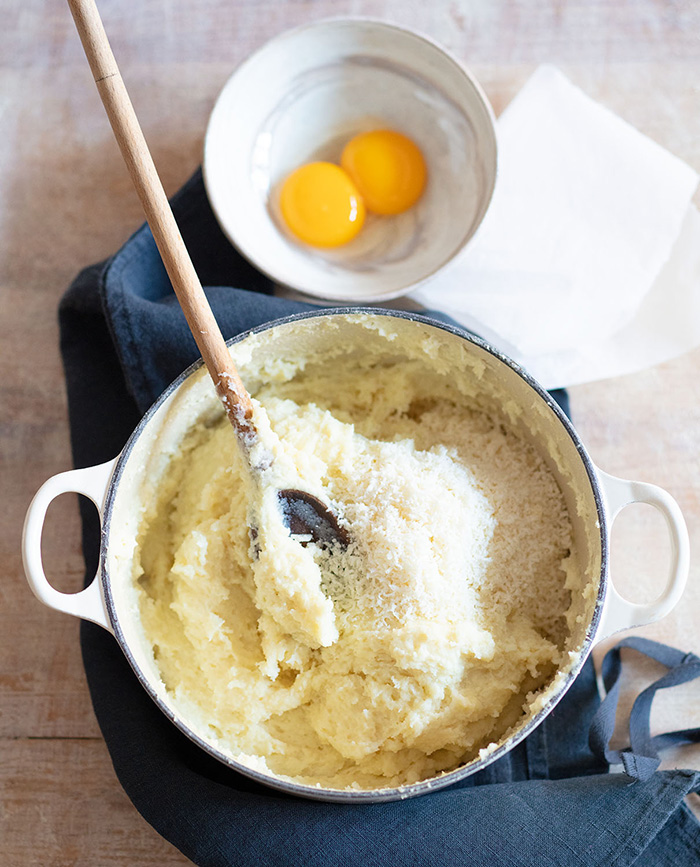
[[550, 801]]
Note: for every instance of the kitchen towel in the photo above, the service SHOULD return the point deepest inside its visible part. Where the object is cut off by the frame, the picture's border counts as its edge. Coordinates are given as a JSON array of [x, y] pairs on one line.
[[550, 801], [587, 264]]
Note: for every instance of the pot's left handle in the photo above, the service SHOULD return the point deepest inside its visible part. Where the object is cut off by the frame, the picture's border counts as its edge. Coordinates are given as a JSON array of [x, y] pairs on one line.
[[619, 613], [88, 603]]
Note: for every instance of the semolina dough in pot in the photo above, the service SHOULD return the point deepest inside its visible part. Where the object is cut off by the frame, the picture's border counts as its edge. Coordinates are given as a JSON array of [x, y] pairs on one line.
[[391, 661]]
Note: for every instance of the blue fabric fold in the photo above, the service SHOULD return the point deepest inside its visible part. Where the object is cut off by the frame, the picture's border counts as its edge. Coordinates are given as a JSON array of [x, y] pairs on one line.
[[550, 801], [641, 758]]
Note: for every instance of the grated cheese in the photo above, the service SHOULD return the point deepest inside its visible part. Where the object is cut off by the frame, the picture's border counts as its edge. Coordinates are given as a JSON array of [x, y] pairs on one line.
[[399, 658]]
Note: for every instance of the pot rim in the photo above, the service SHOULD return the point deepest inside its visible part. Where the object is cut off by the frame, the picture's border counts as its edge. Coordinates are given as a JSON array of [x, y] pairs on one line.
[[433, 783]]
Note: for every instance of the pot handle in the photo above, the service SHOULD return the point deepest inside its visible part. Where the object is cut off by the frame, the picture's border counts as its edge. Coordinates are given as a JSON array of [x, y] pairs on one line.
[[619, 613], [88, 603]]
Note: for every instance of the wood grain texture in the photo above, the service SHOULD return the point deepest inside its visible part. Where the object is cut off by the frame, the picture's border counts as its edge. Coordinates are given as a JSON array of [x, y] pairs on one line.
[[66, 201], [61, 807], [160, 218]]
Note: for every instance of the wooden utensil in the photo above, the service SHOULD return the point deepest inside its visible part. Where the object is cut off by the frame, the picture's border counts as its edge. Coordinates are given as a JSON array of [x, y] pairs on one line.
[[302, 512]]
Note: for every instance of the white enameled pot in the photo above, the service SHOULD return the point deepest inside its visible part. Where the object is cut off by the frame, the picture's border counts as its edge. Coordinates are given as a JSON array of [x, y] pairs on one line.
[[593, 497]]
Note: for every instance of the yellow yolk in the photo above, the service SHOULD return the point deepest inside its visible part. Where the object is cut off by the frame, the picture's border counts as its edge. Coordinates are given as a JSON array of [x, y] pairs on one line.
[[387, 168], [321, 205]]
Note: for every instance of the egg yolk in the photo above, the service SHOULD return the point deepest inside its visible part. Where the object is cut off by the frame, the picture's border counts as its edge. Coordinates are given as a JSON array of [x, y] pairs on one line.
[[387, 168], [321, 206]]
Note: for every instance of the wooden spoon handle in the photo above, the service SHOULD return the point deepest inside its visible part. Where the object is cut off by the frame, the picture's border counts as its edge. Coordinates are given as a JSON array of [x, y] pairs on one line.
[[178, 264]]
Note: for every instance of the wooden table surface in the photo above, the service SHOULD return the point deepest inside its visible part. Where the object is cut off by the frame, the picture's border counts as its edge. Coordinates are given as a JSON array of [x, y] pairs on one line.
[[66, 201]]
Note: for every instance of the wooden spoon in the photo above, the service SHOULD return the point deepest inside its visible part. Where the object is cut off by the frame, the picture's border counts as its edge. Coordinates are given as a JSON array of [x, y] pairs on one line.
[[302, 512]]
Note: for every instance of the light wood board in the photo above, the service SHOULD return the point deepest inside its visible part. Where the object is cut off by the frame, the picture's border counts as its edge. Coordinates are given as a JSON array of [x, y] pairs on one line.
[[66, 201]]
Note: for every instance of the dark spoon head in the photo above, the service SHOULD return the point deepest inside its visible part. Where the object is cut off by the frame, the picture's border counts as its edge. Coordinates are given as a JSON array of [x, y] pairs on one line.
[[306, 515]]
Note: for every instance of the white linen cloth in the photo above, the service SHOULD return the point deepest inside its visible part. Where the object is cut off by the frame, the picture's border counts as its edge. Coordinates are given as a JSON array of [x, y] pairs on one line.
[[587, 264]]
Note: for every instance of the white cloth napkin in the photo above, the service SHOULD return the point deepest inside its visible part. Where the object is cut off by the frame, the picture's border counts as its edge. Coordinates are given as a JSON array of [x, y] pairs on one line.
[[587, 264]]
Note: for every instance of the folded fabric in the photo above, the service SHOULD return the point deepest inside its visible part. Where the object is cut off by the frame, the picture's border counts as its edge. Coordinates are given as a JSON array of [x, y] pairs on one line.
[[548, 801], [588, 220]]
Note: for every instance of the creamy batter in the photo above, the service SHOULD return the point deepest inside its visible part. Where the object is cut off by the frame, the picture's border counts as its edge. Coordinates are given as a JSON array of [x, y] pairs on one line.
[[387, 662]]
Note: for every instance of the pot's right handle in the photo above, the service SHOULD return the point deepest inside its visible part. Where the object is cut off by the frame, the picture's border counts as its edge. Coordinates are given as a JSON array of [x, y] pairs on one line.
[[88, 603], [619, 613]]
